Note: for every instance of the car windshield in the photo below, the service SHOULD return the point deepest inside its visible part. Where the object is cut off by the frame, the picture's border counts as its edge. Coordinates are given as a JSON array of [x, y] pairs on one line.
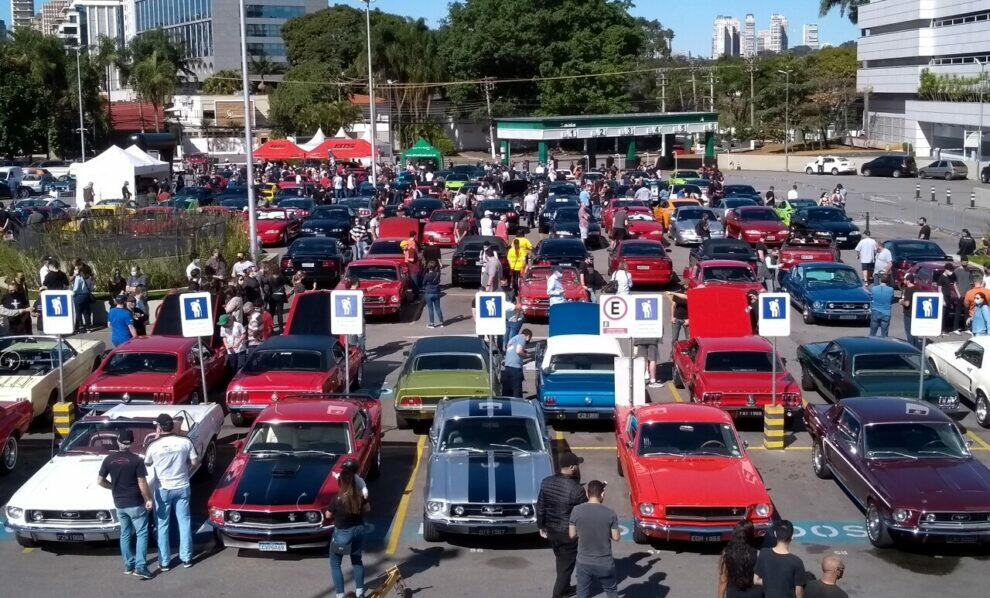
[[730, 250], [694, 214], [331, 214], [826, 215], [432, 362], [880, 363], [425, 204], [333, 438], [916, 440], [686, 439], [445, 216], [566, 248], [764, 215], [739, 190], [728, 274], [145, 363], [739, 361], [303, 204], [29, 356], [568, 275], [738, 202], [566, 215], [385, 248], [797, 204], [627, 203], [843, 277], [685, 174], [643, 250], [486, 433], [100, 437], [373, 273], [496, 206], [320, 246], [584, 362], [262, 361], [916, 249]]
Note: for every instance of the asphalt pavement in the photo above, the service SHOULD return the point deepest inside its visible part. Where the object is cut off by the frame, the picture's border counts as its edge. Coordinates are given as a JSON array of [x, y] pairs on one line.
[[826, 520]]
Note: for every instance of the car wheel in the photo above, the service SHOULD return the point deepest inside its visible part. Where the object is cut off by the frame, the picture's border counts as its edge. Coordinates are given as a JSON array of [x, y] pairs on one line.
[[430, 531], [982, 410], [835, 172], [867, 172], [876, 528], [23, 193], [376, 465], [455, 281], [809, 317], [194, 398], [948, 176], [818, 461], [238, 419], [8, 457], [807, 382], [809, 170], [638, 536], [26, 542], [676, 378], [209, 463], [896, 174], [985, 178]]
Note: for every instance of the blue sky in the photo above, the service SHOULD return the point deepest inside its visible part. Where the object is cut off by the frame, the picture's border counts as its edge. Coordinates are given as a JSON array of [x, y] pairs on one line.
[[691, 21]]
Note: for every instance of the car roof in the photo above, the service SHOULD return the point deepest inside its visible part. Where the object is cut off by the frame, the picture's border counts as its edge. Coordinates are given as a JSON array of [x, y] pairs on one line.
[[550, 242], [309, 410], [874, 344], [448, 344], [877, 410], [157, 343], [741, 343], [490, 407], [480, 239], [580, 344], [304, 342], [681, 413]]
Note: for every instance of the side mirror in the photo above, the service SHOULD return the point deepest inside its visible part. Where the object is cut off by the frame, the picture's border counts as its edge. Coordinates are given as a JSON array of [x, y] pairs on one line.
[[783, 360], [405, 353]]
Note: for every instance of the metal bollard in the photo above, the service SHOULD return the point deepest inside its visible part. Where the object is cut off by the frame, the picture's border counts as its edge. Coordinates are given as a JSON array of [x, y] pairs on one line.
[[867, 228], [972, 199], [948, 196], [917, 191], [933, 194]]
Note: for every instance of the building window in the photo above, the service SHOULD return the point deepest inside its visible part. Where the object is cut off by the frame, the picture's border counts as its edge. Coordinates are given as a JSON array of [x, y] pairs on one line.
[[973, 18], [260, 11], [263, 30], [257, 49]]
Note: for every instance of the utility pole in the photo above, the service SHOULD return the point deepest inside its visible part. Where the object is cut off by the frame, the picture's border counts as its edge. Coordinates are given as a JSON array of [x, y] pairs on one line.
[[787, 118], [694, 91], [248, 141], [491, 123], [711, 91], [371, 98], [663, 92], [82, 123], [752, 95]]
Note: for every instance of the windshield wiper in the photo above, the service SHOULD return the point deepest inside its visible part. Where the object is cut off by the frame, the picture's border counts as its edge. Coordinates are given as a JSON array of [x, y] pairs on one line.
[[946, 453], [469, 449], [662, 454], [510, 447], [268, 453], [314, 451], [872, 454], [711, 453]]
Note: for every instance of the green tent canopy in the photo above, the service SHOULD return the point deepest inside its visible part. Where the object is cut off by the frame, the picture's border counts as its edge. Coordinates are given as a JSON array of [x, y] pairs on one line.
[[422, 150]]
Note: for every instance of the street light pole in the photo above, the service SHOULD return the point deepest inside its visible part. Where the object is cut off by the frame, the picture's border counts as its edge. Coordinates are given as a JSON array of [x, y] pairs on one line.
[[787, 118], [248, 140], [82, 125], [371, 95], [979, 144]]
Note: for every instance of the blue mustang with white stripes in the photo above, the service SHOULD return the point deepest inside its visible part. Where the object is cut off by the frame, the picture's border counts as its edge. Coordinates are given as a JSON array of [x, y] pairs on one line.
[[488, 457]]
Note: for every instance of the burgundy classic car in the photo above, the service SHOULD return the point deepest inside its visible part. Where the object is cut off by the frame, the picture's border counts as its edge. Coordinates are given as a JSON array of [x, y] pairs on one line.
[[14, 421], [907, 466], [755, 224], [722, 273]]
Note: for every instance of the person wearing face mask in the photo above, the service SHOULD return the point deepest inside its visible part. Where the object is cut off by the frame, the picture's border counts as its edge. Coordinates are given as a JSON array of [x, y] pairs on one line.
[[980, 324], [136, 279], [82, 296]]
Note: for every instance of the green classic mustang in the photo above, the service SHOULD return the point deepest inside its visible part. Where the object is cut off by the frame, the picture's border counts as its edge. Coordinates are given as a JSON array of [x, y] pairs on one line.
[[440, 368]]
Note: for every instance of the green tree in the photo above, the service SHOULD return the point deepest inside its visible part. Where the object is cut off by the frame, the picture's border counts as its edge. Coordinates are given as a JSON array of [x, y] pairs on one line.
[[262, 67], [155, 79], [846, 7], [303, 102], [224, 82]]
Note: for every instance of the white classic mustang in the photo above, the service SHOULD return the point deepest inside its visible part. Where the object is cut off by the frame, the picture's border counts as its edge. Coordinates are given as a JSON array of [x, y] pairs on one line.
[[966, 366], [62, 502], [29, 368]]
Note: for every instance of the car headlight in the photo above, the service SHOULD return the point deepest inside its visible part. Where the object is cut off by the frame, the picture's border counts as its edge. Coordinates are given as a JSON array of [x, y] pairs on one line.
[[103, 515], [434, 506], [37, 516], [235, 516], [762, 510], [313, 516], [901, 515], [459, 511], [646, 509], [753, 232], [818, 305], [216, 513], [525, 510], [14, 512]]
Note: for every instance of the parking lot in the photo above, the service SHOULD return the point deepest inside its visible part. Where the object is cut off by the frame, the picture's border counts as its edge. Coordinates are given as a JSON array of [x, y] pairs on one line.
[[826, 520]]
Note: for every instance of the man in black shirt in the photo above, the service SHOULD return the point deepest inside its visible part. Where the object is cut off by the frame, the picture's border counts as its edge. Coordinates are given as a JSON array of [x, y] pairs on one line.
[[781, 573], [925, 231], [559, 494], [771, 198], [828, 585], [55, 280], [907, 295], [132, 498]]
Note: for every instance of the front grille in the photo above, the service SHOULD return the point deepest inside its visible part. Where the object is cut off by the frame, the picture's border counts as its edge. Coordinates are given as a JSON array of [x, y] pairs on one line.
[[492, 511], [840, 307], [368, 299], [270, 519], [958, 519], [70, 516], [706, 513]]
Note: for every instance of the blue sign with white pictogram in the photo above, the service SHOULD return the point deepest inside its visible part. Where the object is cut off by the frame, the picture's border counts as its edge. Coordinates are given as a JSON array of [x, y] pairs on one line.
[[927, 311], [347, 312], [196, 314], [489, 314], [58, 312], [775, 314], [647, 309], [631, 316]]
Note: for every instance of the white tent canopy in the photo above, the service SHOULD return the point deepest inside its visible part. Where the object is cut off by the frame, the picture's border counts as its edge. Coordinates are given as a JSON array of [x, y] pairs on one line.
[[341, 134], [314, 142], [110, 170]]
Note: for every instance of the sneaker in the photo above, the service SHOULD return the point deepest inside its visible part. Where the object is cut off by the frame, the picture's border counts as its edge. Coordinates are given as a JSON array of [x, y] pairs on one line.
[[186, 565], [143, 574], [439, 325], [129, 572], [430, 326], [655, 383], [164, 569]]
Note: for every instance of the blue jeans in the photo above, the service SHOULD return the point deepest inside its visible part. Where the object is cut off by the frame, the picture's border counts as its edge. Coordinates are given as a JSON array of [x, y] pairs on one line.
[[134, 522], [879, 322], [358, 249], [356, 537], [587, 575], [84, 310], [167, 501], [907, 329], [433, 307]]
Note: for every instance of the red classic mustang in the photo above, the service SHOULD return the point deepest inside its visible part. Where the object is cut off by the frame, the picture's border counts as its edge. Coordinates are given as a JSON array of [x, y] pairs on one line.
[[648, 262], [275, 493], [734, 374], [641, 224], [152, 220], [723, 273], [907, 466], [276, 227], [152, 369], [614, 204], [439, 230], [290, 365], [385, 284], [797, 250], [689, 476], [755, 224], [14, 421], [533, 294]]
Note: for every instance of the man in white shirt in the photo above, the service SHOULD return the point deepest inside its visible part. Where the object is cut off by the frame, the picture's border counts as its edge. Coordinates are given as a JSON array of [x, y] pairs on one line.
[[529, 206], [240, 266], [460, 200], [429, 176], [555, 286], [486, 226], [170, 460], [351, 185], [622, 278], [193, 265], [793, 193], [866, 249], [882, 262]]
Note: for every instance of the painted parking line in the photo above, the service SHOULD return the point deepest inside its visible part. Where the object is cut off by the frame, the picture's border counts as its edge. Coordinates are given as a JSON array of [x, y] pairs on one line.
[[395, 530], [981, 444], [677, 395]]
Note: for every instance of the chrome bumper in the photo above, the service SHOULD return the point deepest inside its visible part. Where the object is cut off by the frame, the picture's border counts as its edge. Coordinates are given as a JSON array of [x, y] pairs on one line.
[[90, 533], [303, 536], [673, 531], [477, 526]]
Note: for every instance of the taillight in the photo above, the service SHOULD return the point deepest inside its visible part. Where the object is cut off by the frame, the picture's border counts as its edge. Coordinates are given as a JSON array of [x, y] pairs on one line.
[[550, 401], [712, 398], [412, 402], [542, 263], [237, 396], [329, 263], [791, 399], [163, 397], [83, 396], [459, 261]]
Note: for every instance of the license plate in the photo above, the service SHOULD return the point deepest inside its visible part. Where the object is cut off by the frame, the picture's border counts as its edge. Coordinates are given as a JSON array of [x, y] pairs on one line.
[[590, 415], [272, 546], [770, 238], [807, 257], [308, 264], [840, 238], [642, 267], [961, 539], [706, 538], [750, 413], [847, 317], [489, 531], [69, 537]]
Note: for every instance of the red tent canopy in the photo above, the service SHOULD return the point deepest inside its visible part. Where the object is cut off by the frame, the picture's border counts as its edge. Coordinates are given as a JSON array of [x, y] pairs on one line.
[[343, 149], [279, 149]]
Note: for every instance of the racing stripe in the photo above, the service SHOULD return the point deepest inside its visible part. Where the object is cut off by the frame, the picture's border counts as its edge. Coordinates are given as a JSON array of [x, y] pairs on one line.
[[478, 479], [505, 478], [476, 407]]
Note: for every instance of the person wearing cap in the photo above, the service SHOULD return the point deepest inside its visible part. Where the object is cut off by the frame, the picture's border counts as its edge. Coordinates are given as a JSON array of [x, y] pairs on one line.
[[121, 322], [559, 494], [485, 226], [240, 266], [128, 484], [172, 458], [234, 338]]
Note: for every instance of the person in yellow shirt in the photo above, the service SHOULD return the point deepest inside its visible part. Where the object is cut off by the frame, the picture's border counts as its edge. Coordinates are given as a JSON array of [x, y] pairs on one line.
[[517, 255]]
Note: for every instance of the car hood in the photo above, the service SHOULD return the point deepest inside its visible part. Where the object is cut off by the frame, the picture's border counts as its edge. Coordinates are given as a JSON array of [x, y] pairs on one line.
[[946, 351], [858, 294], [578, 383], [454, 382], [713, 225], [935, 484], [833, 227], [135, 381], [65, 482], [709, 481], [499, 477], [322, 223], [279, 480]]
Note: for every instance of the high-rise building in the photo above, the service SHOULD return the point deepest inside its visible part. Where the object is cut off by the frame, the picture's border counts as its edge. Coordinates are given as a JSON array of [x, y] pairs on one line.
[[778, 34], [21, 13], [749, 37], [52, 15], [210, 29], [810, 36], [763, 41], [725, 37]]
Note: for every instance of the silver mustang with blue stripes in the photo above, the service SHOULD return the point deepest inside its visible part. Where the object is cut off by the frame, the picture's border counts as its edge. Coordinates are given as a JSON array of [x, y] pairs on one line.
[[488, 457]]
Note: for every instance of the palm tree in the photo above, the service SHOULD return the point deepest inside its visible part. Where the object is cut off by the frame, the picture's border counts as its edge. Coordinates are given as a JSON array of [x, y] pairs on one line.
[[262, 67], [846, 7], [107, 55], [155, 79]]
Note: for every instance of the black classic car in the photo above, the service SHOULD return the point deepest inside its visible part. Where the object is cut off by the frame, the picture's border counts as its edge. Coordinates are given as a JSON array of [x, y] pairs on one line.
[[465, 263], [832, 221], [872, 367], [328, 221], [724, 249], [320, 259]]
